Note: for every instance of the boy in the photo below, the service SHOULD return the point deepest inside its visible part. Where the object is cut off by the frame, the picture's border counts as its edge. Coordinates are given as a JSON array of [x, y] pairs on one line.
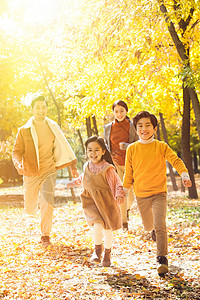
[[145, 169]]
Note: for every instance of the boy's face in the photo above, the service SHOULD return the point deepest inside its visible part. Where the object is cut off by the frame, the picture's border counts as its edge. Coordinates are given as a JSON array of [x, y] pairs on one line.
[[40, 110], [145, 128]]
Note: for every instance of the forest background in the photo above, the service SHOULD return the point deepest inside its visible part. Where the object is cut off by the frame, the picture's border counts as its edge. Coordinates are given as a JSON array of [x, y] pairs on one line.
[[82, 55]]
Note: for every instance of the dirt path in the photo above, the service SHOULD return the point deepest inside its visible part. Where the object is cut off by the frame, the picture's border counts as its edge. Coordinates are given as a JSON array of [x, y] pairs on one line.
[[64, 272]]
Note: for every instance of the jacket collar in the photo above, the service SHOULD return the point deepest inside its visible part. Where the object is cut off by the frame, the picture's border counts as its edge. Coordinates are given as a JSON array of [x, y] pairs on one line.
[[29, 123]]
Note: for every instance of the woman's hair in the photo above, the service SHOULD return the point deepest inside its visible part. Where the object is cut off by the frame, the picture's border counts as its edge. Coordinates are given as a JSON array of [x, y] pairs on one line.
[[120, 103], [145, 114], [102, 144]]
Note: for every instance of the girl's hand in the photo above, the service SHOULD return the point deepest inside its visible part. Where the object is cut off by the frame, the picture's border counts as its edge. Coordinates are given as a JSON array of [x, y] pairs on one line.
[[120, 200], [75, 174], [74, 183], [70, 184], [187, 182]]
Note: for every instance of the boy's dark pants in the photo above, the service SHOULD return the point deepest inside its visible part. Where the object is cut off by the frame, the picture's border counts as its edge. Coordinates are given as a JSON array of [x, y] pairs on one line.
[[153, 211]]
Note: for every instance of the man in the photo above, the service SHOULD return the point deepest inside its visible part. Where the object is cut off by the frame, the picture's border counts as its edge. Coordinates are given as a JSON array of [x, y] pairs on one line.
[[40, 149]]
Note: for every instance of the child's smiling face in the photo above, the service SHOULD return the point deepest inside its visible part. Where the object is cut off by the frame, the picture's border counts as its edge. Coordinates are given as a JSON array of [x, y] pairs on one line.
[[145, 129], [95, 152]]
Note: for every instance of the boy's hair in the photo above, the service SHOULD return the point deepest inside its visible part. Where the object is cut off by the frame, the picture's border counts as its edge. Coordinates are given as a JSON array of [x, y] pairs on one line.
[[145, 114], [100, 141], [120, 103], [40, 98]]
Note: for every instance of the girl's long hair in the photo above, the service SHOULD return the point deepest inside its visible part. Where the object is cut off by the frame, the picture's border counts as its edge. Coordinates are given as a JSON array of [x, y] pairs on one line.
[[120, 103], [107, 157]]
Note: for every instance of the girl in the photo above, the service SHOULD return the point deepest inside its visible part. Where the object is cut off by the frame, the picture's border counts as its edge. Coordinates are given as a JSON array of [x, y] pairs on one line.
[[118, 135], [102, 193]]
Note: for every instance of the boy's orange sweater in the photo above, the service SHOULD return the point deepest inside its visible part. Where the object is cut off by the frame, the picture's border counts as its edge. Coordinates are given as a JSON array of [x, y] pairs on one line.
[[145, 167]]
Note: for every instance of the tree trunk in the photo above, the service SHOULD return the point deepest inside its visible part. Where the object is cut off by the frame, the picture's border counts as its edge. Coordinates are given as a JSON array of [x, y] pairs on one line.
[[186, 142], [171, 173], [95, 125], [196, 107], [183, 53], [90, 130], [81, 140], [71, 189], [88, 126], [199, 155], [195, 160], [158, 133]]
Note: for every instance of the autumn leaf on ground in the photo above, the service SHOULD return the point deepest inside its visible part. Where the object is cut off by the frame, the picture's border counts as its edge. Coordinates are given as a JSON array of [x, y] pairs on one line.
[[64, 271]]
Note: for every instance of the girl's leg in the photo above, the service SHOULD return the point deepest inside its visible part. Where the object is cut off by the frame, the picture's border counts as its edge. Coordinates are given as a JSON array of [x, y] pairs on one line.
[[108, 235], [98, 237], [98, 233]]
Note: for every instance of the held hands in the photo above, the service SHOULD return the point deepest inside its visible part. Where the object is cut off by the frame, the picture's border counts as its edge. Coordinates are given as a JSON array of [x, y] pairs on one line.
[[120, 200], [75, 174], [74, 183], [69, 185], [187, 182]]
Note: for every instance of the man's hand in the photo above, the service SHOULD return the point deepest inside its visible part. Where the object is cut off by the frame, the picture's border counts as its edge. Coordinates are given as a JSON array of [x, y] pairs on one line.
[[20, 169]]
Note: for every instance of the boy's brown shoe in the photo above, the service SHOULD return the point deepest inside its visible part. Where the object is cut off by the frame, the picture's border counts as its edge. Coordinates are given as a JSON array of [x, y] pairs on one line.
[[153, 235], [162, 265]]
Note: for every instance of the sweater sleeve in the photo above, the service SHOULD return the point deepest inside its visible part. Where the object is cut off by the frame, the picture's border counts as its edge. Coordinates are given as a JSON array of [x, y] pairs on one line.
[[175, 161], [114, 183], [128, 175]]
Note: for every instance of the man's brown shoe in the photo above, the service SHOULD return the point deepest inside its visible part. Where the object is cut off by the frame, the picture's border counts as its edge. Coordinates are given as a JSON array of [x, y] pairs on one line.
[[125, 226], [45, 240]]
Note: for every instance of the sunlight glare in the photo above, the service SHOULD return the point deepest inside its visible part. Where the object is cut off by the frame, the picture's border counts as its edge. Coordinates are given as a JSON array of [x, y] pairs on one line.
[[44, 11], [27, 99]]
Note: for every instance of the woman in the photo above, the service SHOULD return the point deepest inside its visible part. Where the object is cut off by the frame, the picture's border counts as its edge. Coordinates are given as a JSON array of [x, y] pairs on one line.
[[118, 135]]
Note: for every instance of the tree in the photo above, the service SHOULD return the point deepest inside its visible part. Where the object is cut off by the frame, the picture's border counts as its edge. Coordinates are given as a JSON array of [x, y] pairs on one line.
[[173, 179], [186, 22], [186, 142]]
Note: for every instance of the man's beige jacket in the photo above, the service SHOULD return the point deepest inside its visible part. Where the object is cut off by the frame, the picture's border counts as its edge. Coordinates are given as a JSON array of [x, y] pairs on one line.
[[26, 151]]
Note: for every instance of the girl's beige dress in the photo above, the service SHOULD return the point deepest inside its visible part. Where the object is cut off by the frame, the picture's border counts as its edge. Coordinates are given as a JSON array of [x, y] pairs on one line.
[[98, 202]]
